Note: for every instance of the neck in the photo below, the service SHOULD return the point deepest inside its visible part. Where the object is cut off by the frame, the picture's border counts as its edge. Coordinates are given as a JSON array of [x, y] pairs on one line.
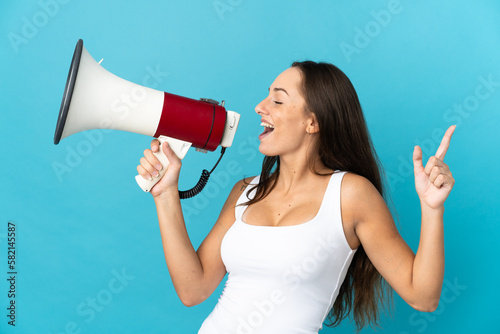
[[295, 172]]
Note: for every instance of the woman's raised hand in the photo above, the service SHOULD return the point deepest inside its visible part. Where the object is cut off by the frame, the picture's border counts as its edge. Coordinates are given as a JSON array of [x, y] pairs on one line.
[[434, 182], [150, 165]]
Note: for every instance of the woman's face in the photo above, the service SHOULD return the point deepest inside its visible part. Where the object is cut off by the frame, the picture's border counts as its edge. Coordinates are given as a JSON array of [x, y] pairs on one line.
[[284, 117]]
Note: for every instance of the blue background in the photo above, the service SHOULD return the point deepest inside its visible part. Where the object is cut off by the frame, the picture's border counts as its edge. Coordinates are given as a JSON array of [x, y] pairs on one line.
[[414, 70]]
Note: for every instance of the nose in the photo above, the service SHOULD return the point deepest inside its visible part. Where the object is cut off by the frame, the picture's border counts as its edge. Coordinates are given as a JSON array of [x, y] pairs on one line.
[[260, 109]]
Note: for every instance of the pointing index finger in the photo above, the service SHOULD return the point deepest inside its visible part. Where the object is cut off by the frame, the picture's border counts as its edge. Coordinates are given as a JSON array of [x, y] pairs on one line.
[[445, 143]]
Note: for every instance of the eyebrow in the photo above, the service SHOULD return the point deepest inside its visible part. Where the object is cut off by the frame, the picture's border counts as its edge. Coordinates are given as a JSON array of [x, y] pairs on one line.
[[279, 89]]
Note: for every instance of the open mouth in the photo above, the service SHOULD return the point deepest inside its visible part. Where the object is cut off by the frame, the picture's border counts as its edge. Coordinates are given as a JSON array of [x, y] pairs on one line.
[[268, 128]]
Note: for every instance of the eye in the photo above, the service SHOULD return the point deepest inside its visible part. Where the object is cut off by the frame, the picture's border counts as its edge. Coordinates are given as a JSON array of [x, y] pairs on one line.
[[277, 102]]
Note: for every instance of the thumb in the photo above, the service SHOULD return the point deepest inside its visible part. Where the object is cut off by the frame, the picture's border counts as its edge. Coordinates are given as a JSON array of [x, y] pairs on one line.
[[418, 167]]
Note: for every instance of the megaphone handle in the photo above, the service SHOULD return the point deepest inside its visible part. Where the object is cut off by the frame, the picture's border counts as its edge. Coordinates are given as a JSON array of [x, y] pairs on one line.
[[179, 147]]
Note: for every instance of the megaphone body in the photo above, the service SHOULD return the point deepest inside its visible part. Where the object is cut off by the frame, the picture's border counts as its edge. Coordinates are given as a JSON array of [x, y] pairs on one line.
[[97, 99]]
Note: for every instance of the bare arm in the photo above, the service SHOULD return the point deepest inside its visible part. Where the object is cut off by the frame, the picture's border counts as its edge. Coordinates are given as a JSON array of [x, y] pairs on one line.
[[195, 274], [416, 278]]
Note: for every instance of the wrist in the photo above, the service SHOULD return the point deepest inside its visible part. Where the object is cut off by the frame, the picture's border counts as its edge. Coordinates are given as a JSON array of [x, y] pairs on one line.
[[168, 194], [431, 211]]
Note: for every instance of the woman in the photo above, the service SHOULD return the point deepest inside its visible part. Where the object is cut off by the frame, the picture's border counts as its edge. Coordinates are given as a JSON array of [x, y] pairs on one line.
[[311, 237]]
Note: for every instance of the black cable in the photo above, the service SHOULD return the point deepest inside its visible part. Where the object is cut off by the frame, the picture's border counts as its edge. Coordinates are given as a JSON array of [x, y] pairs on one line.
[[221, 154], [205, 175]]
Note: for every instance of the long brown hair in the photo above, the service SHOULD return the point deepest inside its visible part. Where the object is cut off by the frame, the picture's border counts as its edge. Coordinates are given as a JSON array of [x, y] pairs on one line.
[[344, 144]]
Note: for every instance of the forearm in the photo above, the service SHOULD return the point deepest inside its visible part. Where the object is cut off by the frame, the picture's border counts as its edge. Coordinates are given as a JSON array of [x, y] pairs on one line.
[[428, 266], [182, 261]]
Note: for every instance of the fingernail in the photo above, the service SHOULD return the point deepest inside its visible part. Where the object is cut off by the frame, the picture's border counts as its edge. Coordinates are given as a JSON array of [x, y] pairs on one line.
[[159, 167], [155, 174]]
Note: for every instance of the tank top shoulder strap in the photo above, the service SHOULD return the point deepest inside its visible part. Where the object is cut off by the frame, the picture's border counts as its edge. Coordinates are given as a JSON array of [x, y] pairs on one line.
[[244, 197], [330, 206]]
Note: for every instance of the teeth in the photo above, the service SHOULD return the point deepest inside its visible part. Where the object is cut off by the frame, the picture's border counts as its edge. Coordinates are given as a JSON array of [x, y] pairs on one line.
[[267, 125]]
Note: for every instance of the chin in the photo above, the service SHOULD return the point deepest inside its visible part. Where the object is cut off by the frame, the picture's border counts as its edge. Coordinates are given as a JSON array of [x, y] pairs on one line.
[[266, 151], [269, 151]]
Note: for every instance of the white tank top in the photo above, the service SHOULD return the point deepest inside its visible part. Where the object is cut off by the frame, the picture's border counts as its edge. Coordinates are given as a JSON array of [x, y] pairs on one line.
[[282, 279]]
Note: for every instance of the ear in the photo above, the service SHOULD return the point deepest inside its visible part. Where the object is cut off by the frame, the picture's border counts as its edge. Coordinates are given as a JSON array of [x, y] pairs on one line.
[[312, 124]]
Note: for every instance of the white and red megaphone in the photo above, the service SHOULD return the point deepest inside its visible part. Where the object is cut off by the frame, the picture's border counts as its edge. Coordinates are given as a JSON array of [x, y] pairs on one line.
[[97, 99]]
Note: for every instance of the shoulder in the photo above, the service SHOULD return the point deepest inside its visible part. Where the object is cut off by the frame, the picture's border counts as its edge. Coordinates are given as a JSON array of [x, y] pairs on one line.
[[359, 197], [227, 214], [239, 188], [242, 184], [357, 185]]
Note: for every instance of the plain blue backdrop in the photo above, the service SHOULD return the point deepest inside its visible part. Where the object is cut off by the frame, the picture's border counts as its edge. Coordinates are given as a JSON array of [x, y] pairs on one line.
[[89, 257]]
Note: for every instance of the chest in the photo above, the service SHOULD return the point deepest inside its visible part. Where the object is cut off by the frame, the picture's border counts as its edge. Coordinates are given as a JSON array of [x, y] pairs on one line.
[[292, 209]]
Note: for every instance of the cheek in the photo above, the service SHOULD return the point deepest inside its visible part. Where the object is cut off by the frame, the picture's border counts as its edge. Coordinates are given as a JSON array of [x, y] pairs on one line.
[[295, 125], [291, 136]]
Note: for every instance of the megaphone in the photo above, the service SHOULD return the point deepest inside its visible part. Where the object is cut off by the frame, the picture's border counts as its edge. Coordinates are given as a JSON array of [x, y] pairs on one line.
[[97, 99]]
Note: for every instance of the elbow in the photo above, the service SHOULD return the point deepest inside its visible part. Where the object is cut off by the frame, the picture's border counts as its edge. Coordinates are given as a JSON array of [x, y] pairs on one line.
[[188, 303], [191, 300], [426, 306], [194, 295]]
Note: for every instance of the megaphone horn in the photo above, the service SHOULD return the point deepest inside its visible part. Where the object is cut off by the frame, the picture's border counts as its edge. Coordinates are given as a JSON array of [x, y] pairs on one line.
[[97, 99]]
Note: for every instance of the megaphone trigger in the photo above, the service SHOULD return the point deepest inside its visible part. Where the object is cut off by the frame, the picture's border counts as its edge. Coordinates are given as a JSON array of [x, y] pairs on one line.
[[180, 149]]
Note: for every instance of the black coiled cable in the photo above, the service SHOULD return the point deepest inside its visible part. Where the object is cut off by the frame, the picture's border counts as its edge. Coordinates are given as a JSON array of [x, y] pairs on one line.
[[205, 175]]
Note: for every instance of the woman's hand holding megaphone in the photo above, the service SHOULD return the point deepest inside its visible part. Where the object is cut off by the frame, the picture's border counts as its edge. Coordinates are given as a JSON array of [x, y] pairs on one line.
[[151, 167]]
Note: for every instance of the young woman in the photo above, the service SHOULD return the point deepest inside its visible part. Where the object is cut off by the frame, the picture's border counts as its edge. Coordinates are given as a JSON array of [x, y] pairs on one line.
[[311, 237]]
